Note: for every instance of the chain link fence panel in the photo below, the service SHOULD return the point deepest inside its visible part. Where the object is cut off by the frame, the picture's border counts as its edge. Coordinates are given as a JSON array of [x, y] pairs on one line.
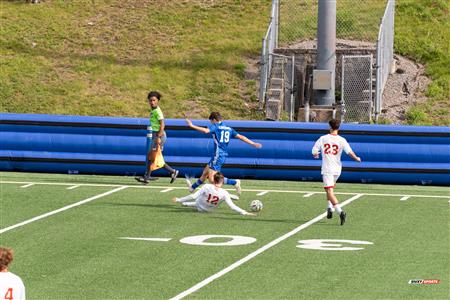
[[355, 20], [357, 91]]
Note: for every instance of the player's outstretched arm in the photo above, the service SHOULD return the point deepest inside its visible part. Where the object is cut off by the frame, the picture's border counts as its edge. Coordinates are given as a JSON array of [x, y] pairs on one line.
[[236, 208], [248, 141], [353, 155], [198, 128]]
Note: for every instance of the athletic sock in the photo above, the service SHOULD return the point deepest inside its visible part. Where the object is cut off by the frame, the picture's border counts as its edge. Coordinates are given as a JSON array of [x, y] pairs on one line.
[[169, 168], [337, 208], [229, 181], [330, 205], [197, 184]]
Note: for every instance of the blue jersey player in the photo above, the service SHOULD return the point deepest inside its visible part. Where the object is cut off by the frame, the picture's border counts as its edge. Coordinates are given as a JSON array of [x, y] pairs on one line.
[[221, 134]]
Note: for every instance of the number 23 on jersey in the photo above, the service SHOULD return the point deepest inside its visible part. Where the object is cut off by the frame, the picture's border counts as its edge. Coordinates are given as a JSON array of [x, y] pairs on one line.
[[331, 149]]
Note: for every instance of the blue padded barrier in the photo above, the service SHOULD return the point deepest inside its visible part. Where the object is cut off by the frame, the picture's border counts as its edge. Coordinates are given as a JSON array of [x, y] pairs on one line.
[[106, 145]]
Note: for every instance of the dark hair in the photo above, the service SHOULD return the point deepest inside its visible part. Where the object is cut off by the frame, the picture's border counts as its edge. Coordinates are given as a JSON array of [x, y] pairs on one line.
[[6, 257], [154, 94], [334, 124], [215, 116], [218, 178]]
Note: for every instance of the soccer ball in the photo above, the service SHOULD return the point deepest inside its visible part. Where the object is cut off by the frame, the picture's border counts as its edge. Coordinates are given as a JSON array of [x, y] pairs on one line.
[[256, 205]]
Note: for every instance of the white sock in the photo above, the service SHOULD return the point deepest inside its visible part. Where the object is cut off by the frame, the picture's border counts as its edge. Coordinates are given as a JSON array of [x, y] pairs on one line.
[[337, 208], [330, 205]]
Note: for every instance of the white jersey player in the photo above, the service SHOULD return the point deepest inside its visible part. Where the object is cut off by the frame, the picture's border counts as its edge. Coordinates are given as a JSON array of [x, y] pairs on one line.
[[11, 286], [210, 196], [331, 147]]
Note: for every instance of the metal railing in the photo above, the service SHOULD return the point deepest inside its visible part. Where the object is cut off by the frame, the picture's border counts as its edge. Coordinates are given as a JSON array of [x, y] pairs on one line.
[[298, 23], [269, 43], [385, 54]]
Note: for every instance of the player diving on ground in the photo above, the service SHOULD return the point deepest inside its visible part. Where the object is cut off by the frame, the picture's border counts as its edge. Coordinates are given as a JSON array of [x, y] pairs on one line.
[[210, 196]]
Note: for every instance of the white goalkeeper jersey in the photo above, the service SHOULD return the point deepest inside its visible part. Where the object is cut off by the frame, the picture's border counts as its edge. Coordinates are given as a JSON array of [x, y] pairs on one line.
[[209, 197], [331, 146], [11, 286]]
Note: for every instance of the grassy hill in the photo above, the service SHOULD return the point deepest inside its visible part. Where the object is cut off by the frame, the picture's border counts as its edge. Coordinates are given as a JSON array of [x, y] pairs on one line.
[[95, 57], [100, 57]]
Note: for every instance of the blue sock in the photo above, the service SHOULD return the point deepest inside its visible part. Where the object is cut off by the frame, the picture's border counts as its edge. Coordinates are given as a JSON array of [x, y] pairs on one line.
[[197, 184], [229, 181]]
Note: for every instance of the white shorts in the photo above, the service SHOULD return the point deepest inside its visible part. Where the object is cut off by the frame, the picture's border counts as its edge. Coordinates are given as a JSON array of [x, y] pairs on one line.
[[329, 180]]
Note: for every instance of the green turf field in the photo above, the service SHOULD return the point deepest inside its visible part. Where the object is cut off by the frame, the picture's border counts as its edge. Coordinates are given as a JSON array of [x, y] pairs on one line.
[[68, 235]]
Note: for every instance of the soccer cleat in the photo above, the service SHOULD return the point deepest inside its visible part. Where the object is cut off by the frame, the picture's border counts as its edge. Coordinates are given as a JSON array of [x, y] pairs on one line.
[[145, 179], [237, 186], [329, 213], [141, 179], [343, 216], [174, 176], [234, 197], [189, 184]]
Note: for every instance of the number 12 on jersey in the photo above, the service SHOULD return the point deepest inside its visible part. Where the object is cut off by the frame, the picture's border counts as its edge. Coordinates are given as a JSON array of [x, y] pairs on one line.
[[212, 199]]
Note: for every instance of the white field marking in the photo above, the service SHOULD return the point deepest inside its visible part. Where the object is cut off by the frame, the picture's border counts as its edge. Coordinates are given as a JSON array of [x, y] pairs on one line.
[[61, 209], [146, 239], [244, 190], [27, 185], [167, 190], [73, 187], [404, 198], [308, 195], [262, 193], [257, 252]]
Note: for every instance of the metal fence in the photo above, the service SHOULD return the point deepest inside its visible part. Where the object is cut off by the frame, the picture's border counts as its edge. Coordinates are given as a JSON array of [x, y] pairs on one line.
[[355, 20], [385, 54], [280, 91], [356, 89], [294, 22], [269, 43]]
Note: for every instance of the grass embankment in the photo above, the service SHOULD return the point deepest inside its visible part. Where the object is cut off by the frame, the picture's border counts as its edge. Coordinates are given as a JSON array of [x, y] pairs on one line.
[[422, 31], [101, 57]]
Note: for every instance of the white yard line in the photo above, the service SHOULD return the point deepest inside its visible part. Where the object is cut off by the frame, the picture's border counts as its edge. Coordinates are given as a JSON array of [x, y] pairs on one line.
[[308, 195], [27, 185], [262, 193], [257, 252], [167, 190], [61, 209], [73, 187], [404, 198], [244, 190]]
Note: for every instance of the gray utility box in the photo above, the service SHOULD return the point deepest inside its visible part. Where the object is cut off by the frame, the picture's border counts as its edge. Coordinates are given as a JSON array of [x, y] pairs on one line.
[[322, 79]]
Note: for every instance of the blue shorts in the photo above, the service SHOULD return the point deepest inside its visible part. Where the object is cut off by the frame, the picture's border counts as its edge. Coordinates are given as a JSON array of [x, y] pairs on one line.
[[216, 162], [163, 141]]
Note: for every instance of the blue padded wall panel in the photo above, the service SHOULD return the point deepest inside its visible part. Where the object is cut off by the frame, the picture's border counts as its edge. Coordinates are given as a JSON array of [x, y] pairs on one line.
[[105, 145]]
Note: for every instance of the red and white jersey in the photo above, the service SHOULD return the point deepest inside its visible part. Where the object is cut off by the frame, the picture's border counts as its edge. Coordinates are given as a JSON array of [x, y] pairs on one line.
[[209, 197], [331, 146], [11, 287]]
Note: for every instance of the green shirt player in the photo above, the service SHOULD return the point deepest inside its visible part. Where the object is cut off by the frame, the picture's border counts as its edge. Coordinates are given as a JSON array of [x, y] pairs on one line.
[[158, 138]]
